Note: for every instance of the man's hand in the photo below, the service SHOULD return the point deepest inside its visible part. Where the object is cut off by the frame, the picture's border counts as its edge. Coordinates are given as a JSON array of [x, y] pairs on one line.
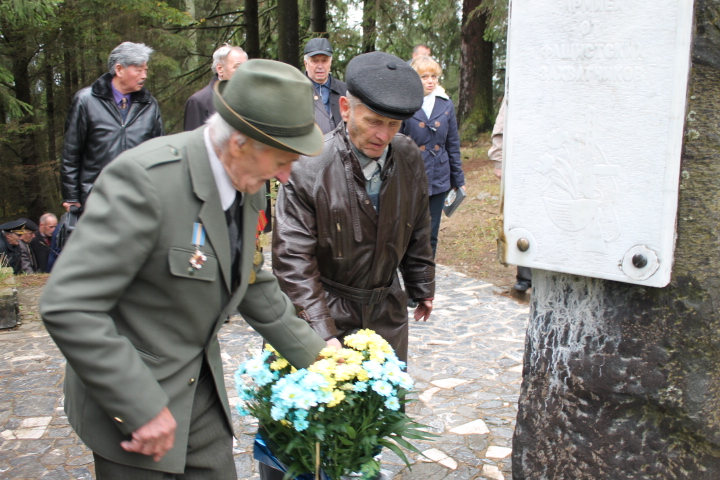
[[67, 205], [423, 310], [334, 343], [155, 438]]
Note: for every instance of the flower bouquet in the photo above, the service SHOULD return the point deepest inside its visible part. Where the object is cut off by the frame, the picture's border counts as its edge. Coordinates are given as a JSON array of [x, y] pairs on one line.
[[333, 417]]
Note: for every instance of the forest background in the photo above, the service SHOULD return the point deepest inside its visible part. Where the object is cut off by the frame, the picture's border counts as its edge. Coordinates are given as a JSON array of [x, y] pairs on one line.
[[50, 49]]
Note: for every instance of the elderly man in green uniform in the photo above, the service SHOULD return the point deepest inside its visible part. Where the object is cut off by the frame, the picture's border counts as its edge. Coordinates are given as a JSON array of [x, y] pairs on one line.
[[165, 251]]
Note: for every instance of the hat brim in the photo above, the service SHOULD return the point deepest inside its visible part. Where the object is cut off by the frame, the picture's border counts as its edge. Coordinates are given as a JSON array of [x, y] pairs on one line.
[[310, 144], [319, 52]]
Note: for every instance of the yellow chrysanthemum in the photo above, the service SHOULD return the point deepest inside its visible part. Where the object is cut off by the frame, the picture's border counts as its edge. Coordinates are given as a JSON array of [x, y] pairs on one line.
[[279, 364], [328, 352], [345, 372], [271, 349], [285, 422], [362, 375], [352, 357], [338, 396]]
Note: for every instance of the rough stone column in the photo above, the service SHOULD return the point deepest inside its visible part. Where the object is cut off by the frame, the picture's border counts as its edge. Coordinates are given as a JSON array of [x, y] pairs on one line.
[[623, 381]]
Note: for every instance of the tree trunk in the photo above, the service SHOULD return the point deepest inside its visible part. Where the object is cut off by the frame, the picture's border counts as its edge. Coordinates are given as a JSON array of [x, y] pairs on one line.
[[288, 34], [369, 25], [318, 16], [192, 61], [26, 145], [623, 381], [475, 106], [252, 29], [50, 109]]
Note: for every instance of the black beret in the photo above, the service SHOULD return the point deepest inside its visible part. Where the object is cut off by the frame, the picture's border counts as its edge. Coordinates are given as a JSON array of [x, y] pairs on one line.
[[316, 46], [385, 84], [14, 225]]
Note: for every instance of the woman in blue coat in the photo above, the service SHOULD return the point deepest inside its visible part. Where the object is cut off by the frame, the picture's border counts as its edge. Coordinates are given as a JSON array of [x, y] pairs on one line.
[[434, 130]]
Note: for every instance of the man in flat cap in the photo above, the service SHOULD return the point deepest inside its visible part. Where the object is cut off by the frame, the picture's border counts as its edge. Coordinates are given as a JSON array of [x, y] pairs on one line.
[[199, 106], [10, 251], [328, 90], [170, 229], [349, 218]]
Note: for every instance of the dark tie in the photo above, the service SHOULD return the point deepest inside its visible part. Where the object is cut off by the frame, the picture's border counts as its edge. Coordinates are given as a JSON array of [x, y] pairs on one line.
[[123, 103], [233, 216]]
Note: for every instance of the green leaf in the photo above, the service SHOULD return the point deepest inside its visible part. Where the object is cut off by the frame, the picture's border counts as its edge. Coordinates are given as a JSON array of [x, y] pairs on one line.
[[395, 450], [350, 431], [344, 440]]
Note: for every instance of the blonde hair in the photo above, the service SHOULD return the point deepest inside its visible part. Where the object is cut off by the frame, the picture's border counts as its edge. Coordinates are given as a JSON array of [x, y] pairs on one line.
[[426, 64]]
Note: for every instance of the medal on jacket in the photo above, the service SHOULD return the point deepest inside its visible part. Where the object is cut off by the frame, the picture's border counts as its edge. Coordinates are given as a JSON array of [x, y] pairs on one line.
[[198, 258]]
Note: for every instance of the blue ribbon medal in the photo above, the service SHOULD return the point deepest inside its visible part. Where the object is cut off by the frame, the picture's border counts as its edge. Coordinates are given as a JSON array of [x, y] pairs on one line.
[[197, 259]]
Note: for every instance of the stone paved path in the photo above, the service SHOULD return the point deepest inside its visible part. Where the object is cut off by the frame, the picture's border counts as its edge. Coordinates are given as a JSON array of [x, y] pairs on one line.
[[466, 362]]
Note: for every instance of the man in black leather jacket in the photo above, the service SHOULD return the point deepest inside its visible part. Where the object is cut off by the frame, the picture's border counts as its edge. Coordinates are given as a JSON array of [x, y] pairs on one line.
[[115, 114]]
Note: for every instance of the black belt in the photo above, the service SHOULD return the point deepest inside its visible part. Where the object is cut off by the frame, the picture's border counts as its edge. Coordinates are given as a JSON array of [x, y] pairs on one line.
[[360, 295]]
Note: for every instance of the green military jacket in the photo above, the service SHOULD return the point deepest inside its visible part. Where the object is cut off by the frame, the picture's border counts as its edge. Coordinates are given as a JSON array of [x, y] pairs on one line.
[[133, 320]]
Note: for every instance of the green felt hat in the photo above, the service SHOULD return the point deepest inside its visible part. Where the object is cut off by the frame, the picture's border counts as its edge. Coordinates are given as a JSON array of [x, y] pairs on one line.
[[271, 102]]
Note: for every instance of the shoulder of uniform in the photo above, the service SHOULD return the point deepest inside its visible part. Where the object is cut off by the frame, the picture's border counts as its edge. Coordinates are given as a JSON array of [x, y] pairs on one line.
[[159, 150]]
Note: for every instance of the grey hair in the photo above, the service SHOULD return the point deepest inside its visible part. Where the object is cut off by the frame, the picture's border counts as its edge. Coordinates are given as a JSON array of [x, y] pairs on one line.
[[47, 216], [128, 53], [353, 100], [221, 54], [221, 133]]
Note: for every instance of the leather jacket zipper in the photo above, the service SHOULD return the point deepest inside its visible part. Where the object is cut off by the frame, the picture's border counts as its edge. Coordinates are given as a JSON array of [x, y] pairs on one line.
[[339, 236]]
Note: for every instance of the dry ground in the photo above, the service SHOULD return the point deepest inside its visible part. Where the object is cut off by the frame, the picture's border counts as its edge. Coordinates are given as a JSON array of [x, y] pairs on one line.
[[468, 240]]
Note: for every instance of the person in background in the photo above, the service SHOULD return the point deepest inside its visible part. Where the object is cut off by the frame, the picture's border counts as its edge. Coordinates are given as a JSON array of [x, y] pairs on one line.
[[10, 251], [115, 114], [420, 50], [40, 244], [164, 253], [28, 263], [328, 90], [199, 106], [524, 274], [434, 129]]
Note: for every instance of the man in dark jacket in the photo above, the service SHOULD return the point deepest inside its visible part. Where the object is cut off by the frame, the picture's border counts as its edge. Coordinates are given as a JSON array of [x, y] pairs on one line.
[[199, 106], [40, 244], [328, 90], [349, 218], [115, 114]]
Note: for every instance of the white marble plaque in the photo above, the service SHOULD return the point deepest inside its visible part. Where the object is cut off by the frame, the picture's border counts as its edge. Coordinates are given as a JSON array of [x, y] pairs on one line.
[[596, 93]]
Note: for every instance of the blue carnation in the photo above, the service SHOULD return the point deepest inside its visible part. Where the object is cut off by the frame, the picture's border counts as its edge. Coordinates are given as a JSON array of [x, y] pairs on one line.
[[360, 387], [383, 388], [373, 368], [242, 411], [392, 403], [301, 425], [277, 413]]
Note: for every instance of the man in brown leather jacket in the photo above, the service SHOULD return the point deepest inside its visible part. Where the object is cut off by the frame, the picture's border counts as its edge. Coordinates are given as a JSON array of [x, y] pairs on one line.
[[349, 218]]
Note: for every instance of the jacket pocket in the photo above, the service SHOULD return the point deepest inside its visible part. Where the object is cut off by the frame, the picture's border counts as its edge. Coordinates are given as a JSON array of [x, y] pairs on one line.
[[179, 261], [147, 355]]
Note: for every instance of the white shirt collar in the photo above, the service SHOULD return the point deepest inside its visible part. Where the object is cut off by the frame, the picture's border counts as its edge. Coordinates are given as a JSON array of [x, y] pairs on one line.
[[222, 180]]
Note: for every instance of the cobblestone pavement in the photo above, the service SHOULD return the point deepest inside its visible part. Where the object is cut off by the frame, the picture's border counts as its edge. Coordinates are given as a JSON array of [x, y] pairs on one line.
[[466, 362]]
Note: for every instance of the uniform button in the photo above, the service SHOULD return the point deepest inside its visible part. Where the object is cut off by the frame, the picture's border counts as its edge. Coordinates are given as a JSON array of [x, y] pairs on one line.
[[367, 202], [191, 381], [118, 419], [174, 151]]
